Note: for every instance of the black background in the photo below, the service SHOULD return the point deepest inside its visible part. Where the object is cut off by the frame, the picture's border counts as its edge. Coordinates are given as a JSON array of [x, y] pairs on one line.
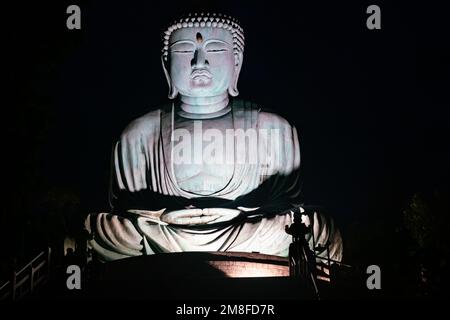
[[371, 106]]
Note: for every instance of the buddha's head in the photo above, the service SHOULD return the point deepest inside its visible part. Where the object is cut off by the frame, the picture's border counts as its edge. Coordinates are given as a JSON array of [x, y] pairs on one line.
[[202, 56]]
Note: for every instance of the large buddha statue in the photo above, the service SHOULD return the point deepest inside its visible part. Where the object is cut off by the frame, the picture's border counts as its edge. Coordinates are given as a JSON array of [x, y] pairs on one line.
[[206, 171]]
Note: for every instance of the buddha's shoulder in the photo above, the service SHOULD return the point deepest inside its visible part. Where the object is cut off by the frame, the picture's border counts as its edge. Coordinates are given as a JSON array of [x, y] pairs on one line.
[[147, 123], [271, 119], [266, 117]]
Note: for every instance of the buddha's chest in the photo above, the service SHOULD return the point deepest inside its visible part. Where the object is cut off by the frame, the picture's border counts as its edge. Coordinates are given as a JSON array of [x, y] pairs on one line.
[[203, 155]]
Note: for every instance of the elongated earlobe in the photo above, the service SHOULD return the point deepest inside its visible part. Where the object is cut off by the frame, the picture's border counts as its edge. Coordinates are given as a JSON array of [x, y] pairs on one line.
[[233, 90], [173, 92]]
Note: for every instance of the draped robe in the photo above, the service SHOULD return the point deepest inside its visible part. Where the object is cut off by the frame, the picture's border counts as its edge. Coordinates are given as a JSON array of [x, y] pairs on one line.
[[247, 213]]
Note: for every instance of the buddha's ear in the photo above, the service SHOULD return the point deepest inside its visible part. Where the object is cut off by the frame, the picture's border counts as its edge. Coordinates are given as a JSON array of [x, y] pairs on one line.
[[173, 92], [238, 58]]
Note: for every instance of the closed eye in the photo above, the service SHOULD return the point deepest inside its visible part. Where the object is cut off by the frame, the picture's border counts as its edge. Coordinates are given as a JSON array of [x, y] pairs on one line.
[[182, 51], [216, 50]]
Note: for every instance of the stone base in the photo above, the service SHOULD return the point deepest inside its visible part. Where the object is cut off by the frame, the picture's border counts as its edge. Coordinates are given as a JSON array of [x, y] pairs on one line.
[[199, 275], [197, 264]]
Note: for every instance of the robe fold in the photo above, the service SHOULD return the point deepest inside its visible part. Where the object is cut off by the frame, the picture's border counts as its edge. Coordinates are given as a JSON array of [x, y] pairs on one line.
[[248, 213]]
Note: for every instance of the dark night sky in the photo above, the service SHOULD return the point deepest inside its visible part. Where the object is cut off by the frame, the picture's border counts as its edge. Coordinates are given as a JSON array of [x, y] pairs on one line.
[[370, 106]]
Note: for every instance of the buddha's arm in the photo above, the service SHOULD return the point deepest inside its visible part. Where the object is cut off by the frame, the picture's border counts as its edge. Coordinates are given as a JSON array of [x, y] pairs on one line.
[[134, 153], [287, 160], [326, 236], [285, 185], [282, 170]]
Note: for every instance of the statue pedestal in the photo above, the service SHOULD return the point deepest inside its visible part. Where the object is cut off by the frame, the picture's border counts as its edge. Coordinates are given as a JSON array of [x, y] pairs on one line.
[[197, 264], [199, 275]]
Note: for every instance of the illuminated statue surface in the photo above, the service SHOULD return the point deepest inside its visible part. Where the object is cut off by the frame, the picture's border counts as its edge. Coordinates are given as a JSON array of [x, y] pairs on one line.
[[206, 171]]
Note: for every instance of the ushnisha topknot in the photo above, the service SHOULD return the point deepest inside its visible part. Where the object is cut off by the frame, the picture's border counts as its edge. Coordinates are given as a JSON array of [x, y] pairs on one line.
[[213, 20]]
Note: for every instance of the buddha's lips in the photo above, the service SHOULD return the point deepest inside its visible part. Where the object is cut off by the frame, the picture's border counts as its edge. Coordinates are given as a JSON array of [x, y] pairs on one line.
[[201, 73]]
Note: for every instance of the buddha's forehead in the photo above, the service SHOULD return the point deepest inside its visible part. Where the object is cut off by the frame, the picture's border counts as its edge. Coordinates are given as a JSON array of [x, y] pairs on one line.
[[207, 33]]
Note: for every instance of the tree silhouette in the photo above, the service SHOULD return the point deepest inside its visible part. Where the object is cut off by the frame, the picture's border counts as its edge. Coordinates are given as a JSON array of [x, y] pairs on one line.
[[427, 219]]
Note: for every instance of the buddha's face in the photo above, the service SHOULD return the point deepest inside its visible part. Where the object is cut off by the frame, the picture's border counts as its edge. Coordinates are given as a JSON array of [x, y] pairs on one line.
[[201, 62]]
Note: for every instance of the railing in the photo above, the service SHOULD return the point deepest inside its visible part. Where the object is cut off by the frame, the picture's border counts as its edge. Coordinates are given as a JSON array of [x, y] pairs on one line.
[[26, 280]]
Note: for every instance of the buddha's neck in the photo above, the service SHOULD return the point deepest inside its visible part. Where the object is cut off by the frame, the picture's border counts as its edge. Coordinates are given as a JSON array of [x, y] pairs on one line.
[[204, 105]]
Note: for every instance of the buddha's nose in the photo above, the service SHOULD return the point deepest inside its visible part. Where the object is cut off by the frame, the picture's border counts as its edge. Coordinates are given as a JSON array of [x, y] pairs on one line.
[[199, 61]]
